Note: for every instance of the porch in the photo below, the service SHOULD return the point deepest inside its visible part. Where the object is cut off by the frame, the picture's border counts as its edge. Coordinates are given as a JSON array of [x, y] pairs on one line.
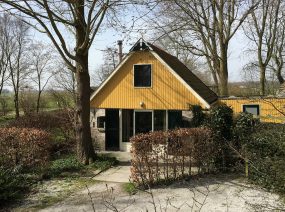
[[117, 126]]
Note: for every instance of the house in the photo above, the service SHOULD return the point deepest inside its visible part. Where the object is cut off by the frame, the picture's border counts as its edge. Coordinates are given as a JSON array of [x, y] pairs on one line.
[[149, 90], [267, 109], [152, 90]]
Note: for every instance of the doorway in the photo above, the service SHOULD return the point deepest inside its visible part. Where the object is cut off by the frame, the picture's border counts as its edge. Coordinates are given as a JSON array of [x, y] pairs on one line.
[[112, 130]]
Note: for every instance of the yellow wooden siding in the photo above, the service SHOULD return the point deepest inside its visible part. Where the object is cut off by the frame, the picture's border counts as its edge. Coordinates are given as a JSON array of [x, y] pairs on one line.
[[267, 110], [166, 93]]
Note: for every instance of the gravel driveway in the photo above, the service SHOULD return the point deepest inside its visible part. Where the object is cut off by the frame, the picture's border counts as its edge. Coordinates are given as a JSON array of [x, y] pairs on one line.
[[212, 193]]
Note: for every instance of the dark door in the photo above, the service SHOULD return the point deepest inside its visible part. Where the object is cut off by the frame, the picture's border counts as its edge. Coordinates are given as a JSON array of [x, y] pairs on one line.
[[112, 130]]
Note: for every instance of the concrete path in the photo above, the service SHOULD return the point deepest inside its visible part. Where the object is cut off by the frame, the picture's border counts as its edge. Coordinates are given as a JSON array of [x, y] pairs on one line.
[[119, 174]]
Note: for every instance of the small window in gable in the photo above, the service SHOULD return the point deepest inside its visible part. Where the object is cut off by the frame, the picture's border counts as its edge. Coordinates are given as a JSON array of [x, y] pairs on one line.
[[142, 76], [101, 122], [253, 109]]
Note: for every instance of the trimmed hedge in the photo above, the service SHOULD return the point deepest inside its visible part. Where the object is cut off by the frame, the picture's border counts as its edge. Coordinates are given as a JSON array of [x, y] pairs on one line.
[[24, 147], [164, 156]]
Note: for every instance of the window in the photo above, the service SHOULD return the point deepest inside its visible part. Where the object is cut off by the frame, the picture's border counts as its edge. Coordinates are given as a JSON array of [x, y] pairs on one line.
[[253, 109], [101, 122], [143, 122], [174, 119], [159, 120], [142, 76]]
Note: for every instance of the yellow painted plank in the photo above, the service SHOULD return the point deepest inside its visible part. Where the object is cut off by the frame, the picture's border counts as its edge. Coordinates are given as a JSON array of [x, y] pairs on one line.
[[269, 107], [166, 93]]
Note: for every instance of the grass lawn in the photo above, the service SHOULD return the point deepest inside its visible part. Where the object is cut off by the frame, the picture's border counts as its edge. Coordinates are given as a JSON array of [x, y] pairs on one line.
[[59, 180]]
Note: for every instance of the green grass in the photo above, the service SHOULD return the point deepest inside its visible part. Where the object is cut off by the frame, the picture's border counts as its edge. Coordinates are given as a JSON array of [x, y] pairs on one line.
[[69, 166], [5, 119], [130, 188], [103, 162]]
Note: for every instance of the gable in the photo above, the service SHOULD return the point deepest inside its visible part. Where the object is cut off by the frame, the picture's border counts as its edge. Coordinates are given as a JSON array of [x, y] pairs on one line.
[[167, 91]]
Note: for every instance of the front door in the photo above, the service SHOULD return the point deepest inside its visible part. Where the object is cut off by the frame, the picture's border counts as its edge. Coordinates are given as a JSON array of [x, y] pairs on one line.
[[112, 130], [143, 122]]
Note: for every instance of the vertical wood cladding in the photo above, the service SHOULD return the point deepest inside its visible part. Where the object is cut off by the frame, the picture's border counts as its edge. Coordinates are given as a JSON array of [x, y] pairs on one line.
[[166, 93], [268, 107]]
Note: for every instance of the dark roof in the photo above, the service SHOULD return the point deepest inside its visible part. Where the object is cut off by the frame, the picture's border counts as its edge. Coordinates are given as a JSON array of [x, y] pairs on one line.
[[191, 79]]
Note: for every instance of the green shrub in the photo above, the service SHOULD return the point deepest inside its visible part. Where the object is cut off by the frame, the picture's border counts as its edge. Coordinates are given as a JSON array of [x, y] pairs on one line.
[[68, 164], [12, 185], [266, 152], [221, 121], [198, 116], [104, 162]]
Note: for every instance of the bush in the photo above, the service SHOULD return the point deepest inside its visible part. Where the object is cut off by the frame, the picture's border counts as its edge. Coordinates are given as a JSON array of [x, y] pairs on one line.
[[12, 185], [164, 156], [103, 162], [68, 164], [57, 123], [266, 152], [198, 116], [221, 121], [23, 146], [242, 131]]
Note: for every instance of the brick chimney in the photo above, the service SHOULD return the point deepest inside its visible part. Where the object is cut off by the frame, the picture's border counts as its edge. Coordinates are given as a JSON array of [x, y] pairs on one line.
[[120, 44]]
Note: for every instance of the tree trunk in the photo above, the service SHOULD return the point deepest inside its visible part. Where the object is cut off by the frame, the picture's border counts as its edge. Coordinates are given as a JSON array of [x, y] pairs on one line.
[[38, 101], [280, 78], [223, 73], [16, 103], [85, 150], [262, 80]]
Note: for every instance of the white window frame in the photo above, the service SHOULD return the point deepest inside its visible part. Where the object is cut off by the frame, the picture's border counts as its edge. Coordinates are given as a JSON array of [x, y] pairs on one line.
[[152, 119], [151, 75]]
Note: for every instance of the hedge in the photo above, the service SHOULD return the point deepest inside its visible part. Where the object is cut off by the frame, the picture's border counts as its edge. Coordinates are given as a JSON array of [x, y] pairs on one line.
[[24, 147], [164, 156]]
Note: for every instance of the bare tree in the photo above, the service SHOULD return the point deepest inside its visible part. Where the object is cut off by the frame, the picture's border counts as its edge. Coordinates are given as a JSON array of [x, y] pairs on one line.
[[262, 31], [186, 57], [111, 60], [17, 62], [277, 63], [84, 19], [5, 48], [205, 28], [41, 65]]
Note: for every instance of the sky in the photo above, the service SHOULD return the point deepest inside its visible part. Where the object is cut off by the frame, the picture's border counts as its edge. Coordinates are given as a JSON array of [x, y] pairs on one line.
[[109, 37], [237, 57]]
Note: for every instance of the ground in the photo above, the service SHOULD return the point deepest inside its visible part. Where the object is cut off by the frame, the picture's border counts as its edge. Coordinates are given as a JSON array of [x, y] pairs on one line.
[[110, 191], [214, 193]]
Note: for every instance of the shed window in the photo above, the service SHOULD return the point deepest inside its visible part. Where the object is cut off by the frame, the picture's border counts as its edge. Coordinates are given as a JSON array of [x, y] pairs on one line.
[[142, 75], [253, 109], [101, 122]]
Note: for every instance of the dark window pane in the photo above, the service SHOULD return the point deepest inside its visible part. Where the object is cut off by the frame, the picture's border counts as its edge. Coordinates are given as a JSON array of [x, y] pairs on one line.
[[159, 120], [142, 75], [100, 121], [128, 116], [174, 119], [253, 109], [143, 121]]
